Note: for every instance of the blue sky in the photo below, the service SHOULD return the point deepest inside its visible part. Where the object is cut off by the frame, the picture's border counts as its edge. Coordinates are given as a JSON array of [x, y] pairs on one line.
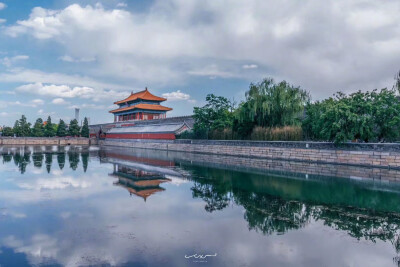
[[58, 55]]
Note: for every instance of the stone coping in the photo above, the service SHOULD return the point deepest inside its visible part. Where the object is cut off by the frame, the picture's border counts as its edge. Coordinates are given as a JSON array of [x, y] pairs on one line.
[[283, 144]]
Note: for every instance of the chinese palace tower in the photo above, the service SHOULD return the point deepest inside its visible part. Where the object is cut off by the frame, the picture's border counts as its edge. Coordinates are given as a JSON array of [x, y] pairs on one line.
[[142, 105]]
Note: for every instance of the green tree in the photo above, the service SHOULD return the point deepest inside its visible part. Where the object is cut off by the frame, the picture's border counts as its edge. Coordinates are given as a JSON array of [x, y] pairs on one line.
[[74, 129], [38, 129], [8, 131], [85, 128], [366, 116], [17, 128], [62, 129], [270, 104], [49, 128], [215, 115], [24, 127]]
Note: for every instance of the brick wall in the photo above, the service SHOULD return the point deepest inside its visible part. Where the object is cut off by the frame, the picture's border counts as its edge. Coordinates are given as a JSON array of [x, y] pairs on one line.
[[295, 169], [44, 141], [377, 155]]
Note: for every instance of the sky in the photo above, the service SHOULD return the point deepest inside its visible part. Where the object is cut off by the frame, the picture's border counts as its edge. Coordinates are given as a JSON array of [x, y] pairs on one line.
[[59, 55]]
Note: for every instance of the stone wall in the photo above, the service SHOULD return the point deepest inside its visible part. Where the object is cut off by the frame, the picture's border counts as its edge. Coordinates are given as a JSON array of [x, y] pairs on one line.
[[294, 169], [376, 155], [44, 141]]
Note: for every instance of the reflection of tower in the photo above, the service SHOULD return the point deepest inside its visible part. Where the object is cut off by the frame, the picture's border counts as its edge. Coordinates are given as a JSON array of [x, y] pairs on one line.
[[77, 114], [138, 182]]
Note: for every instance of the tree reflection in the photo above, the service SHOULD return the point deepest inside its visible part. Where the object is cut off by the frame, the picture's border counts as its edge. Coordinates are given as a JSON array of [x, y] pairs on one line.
[[22, 160], [73, 158], [61, 159], [37, 159], [7, 158], [49, 161], [85, 160], [269, 210]]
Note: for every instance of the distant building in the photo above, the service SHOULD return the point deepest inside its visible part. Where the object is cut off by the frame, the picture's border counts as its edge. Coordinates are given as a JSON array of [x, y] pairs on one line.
[[77, 114], [140, 106], [141, 116]]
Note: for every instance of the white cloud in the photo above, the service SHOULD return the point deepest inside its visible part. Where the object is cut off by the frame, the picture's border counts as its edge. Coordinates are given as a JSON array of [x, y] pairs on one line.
[[4, 114], [2, 6], [89, 106], [68, 58], [294, 40], [66, 91], [2, 20], [176, 96], [59, 101], [122, 4], [57, 90], [37, 101], [250, 66], [211, 71], [7, 61]]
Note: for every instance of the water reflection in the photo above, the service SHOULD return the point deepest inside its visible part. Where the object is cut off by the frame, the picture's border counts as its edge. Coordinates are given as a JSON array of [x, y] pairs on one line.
[[81, 204], [138, 182]]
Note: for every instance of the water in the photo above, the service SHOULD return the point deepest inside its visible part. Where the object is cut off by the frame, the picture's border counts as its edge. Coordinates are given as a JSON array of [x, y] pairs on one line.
[[77, 206]]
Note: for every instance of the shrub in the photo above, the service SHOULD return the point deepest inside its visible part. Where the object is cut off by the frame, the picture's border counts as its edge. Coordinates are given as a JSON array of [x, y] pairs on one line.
[[286, 133]]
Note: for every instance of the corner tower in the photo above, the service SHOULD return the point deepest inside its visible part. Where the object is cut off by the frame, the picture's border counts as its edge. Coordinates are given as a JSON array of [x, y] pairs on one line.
[[142, 105]]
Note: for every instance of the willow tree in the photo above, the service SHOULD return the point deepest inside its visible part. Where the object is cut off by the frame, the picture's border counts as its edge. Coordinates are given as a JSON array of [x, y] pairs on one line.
[[271, 104]]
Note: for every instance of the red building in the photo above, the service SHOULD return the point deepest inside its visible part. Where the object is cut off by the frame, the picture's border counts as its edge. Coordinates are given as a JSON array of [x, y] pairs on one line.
[[141, 116], [142, 105]]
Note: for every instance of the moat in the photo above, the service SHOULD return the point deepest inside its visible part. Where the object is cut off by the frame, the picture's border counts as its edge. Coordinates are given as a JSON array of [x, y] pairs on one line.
[[90, 206]]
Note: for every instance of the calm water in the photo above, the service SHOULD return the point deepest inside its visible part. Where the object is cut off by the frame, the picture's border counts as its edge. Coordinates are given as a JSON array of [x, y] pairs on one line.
[[87, 207]]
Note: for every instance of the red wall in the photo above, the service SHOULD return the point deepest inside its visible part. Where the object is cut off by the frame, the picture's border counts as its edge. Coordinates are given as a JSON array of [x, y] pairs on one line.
[[169, 136]]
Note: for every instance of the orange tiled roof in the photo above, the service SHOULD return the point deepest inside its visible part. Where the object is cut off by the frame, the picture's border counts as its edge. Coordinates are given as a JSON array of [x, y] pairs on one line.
[[142, 106], [145, 95]]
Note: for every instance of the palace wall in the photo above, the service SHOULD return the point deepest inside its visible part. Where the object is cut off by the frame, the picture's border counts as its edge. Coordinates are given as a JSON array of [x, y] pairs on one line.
[[45, 141], [370, 155]]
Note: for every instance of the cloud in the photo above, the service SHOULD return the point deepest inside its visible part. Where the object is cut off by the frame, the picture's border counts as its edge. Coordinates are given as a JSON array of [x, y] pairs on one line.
[[176, 96], [2, 6], [56, 90], [37, 101], [122, 4], [66, 91], [334, 45], [250, 66], [33, 103], [67, 58], [2, 20], [36, 76], [8, 62], [59, 101], [211, 71]]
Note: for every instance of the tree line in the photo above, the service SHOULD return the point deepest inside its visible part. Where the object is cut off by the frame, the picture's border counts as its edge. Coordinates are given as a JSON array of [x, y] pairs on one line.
[[22, 128], [281, 111]]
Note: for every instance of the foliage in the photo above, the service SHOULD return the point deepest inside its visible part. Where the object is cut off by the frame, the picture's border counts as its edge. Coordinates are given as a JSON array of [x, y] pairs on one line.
[[17, 128], [271, 104], [38, 129], [74, 129], [49, 128], [366, 116], [62, 129], [22, 128], [286, 133], [216, 114], [85, 128], [7, 131]]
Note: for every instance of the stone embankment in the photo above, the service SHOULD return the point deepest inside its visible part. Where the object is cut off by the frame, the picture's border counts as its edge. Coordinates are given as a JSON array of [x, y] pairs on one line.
[[60, 141], [371, 155]]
